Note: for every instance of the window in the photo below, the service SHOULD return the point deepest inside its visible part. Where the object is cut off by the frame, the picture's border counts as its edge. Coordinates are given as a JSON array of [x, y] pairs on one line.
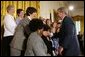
[[77, 23]]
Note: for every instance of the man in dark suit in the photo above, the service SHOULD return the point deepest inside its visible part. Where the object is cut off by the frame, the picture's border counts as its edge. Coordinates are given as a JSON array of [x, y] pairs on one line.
[[67, 34]]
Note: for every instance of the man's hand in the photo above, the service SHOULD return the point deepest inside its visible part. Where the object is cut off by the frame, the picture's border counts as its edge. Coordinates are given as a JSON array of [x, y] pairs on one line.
[[60, 50]]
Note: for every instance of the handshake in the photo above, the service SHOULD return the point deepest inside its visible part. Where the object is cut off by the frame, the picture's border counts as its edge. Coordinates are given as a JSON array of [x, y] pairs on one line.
[[59, 51]]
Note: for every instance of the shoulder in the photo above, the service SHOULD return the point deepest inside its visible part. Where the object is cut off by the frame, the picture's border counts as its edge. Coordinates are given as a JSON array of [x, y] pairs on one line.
[[6, 17], [68, 20], [24, 21], [35, 37]]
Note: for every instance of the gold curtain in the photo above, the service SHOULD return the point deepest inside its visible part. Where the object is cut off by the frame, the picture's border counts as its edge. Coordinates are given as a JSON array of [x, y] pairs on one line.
[[19, 5]]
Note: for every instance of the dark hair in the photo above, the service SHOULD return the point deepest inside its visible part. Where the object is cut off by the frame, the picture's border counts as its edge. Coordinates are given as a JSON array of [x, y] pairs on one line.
[[47, 21], [59, 23], [18, 11], [35, 24], [53, 23], [30, 10], [46, 27]]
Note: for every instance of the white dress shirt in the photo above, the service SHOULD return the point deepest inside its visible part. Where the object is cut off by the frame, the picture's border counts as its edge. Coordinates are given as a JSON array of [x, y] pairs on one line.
[[9, 25]]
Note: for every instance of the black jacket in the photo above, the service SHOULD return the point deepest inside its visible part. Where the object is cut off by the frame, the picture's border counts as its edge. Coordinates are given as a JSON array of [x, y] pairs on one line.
[[68, 38], [48, 44]]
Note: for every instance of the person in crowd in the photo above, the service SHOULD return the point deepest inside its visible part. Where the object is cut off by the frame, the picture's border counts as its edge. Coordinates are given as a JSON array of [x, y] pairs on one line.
[[18, 44], [83, 44], [54, 27], [9, 29], [35, 44], [20, 14], [80, 41], [43, 19], [55, 40], [58, 26], [80, 38], [67, 35], [48, 22], [46, 38]]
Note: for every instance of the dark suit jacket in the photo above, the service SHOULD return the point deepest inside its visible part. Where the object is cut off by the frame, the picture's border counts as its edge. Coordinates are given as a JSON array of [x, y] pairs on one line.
[[68, 38]]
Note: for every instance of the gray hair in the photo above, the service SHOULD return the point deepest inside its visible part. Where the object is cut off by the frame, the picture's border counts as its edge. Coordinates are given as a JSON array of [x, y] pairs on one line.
[[62, 9]]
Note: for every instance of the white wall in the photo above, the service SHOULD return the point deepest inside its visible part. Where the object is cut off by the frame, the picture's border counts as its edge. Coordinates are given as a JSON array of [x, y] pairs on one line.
[[77, 12], [47, 6]]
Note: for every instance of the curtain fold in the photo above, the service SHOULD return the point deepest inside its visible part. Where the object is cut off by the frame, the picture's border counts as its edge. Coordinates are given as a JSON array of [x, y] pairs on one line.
[[19, 5]]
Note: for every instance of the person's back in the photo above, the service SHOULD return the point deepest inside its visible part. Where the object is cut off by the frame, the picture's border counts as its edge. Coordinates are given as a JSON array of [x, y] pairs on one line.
[[19, 30], [35, 44]]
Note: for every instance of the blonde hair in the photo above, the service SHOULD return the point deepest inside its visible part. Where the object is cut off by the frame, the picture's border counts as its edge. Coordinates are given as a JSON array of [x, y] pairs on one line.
[[9, 7]]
